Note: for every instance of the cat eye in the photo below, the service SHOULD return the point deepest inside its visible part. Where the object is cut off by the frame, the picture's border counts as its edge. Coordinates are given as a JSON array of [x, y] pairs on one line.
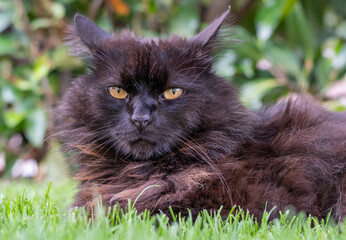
[[172, 93], [117, 92]]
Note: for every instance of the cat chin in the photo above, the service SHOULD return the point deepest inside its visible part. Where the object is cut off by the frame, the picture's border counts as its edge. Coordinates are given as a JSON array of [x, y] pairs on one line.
[[142, 149], [141, 155]]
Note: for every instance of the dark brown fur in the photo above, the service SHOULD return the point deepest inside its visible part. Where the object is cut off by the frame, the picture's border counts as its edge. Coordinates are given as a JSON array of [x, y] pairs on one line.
[[213, 152]]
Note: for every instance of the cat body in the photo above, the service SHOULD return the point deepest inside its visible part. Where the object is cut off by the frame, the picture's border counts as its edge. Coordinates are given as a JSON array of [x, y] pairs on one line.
[[151, 121]]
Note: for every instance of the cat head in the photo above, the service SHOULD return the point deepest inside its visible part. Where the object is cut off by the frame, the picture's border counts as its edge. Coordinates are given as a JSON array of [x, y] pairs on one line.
[[143, 97]]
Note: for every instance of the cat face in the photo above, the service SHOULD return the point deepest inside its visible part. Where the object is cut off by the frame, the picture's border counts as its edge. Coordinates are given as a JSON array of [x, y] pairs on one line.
[[143, 97], [148, 100]]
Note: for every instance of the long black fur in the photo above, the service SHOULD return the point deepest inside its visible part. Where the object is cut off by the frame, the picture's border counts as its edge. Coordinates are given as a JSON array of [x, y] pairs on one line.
[[203, 149]]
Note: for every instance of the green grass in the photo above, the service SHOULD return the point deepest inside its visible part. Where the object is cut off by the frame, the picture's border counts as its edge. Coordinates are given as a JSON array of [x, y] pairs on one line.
[[40, 211]]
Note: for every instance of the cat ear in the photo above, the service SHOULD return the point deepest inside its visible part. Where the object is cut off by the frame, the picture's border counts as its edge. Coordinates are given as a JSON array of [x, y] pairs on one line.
[[208, 35], [85, 36], [89, 32]]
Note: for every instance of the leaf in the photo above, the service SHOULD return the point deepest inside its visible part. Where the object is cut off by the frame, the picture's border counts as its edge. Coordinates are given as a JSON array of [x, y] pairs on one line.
[[248, 47], [300, 31], [224, 65], [283, 57], [24, 84], [41, 69], [322, 72], [341, 30], [7, 44], [339, 61], [43, 23], [57, 9], [252, 92], [247, 67], [5, 20], [7, 94], [13, 118], [288, 7], [185, 21], [269, 16], [61, 59], [6, 14], [35, 127]]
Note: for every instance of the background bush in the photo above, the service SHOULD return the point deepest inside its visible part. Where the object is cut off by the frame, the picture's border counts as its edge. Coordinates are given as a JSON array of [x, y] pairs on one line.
[[284, 47]]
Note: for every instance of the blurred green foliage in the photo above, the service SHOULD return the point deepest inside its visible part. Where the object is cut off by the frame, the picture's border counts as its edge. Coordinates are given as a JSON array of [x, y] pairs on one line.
[[291, 46], [285, 46]]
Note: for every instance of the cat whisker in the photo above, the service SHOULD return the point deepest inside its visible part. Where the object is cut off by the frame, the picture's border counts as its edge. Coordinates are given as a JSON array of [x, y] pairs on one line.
[[197, 76], [185, 62], [152, 68], [202, 155]]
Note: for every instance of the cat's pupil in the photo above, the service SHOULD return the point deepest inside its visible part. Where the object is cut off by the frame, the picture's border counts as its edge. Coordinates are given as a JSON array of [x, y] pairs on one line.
[[118, 90], [173, 91]]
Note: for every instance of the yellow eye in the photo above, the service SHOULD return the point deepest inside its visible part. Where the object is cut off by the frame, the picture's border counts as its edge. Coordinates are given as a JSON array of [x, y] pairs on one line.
[[172, 93], [117, 92]]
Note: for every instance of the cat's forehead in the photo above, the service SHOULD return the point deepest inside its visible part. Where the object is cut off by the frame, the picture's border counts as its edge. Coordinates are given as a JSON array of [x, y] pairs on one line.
[[157, 49], [147, 61], [143, 60]]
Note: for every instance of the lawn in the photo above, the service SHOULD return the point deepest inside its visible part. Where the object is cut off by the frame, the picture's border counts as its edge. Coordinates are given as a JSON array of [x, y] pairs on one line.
[[31, 210]]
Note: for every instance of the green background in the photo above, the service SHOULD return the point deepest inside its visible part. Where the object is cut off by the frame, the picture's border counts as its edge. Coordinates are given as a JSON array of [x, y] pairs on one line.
[[278, 48]]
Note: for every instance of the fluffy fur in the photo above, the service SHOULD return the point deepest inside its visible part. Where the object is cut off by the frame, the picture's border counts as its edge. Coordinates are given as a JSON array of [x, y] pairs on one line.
[[202, 150]]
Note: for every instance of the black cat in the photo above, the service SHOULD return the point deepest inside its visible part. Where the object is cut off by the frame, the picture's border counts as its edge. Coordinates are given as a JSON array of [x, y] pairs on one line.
[[151, 112]]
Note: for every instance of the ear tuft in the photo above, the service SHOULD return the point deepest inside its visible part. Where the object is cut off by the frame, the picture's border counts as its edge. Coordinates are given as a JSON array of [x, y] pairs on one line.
[[209, 34], [84, 36]]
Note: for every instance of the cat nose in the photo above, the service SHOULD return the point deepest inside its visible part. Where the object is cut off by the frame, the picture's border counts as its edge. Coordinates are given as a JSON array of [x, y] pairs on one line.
[[143, 108], [141, 120]]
